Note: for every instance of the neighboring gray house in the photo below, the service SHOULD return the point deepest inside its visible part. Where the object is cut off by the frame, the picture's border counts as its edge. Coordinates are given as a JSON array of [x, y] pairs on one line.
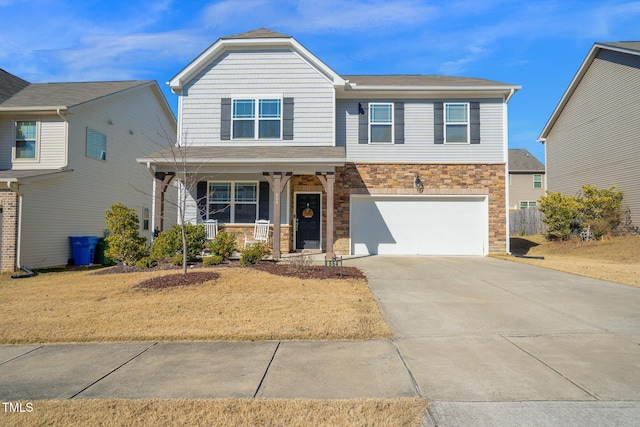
[[67, 152], [593, 136], [401, 164], [526, 179]]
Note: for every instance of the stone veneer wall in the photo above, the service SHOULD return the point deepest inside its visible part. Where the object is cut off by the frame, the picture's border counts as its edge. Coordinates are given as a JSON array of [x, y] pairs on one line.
[[438, 179], [243, 232], [9, 216]]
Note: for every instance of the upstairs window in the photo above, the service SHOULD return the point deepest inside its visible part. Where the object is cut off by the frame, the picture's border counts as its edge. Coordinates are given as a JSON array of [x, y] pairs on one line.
[[528, 204], [257, 118], [96, 145], [537, 181], [26, 140], [381, 123], [456, 123]]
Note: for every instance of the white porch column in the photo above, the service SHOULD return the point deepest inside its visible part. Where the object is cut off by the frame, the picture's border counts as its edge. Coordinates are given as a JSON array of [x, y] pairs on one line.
[[160, 183]]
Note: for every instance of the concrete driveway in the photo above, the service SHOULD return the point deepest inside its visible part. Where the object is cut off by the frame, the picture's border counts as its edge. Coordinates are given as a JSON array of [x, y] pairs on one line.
[[494, 342]]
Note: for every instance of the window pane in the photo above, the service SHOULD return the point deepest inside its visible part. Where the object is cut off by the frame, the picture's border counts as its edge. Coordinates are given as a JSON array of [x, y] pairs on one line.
[[25, 149], [380, 133], [456, 133], [269, 129], [269, 108], [220, 211], [26, 130], [456, 113], [220, 192], [380, 113], [246, 192], [243, 128], [243, 109], [245, 212], [96, 145]]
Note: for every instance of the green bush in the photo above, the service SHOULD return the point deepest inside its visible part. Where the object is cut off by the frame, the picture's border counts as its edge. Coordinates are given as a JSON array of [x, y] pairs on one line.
[[212, 260], [601, 210], [223, 245], [146, 262], [168, 244], [123, 242], [254, 254]]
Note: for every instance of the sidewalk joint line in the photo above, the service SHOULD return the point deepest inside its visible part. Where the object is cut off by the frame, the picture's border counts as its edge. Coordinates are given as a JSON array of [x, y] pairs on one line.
[[416, 386], [112, 371], [273, 356], [21, 355]]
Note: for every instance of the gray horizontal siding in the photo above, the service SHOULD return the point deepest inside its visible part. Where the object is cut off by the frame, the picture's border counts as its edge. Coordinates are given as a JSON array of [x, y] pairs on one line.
[[51, 140], [595, 139], [256, 73], [419, 136]]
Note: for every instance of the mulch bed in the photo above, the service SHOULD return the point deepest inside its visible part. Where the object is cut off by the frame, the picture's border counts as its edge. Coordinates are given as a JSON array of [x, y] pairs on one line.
[[195, 277]]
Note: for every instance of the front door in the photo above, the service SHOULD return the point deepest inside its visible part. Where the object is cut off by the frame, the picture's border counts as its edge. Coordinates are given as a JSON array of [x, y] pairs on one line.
[[308, 218]]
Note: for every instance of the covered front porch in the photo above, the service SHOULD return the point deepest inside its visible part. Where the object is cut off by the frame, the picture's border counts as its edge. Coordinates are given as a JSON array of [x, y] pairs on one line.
[[292, 187]]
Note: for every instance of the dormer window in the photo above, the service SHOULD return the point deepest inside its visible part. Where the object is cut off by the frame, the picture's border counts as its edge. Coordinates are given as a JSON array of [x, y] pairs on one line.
[[257, 118]]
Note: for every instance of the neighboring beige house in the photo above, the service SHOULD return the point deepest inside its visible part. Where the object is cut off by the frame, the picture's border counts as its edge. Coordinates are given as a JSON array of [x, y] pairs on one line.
[[526, 179], [67, 152], [362, 164], [593, 136]]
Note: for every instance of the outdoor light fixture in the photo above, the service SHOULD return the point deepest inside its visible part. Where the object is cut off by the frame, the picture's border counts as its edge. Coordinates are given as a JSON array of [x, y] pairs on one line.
[[418, 184], [360, 109], [109, 121]]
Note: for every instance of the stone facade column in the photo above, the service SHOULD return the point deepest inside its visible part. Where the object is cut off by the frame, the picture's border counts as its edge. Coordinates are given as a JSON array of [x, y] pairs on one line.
[[328, 182], [8, 230], [277, 183]]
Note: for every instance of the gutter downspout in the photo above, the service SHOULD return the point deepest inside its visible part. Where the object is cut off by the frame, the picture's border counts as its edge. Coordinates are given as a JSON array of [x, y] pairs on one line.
[[14, 186]]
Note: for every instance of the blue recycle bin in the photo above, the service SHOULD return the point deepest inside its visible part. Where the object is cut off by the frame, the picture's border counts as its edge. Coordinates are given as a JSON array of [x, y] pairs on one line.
[[83, 249]]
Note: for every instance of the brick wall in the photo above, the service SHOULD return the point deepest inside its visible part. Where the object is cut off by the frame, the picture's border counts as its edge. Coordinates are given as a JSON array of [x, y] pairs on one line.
[[438, 179], [9, 215]]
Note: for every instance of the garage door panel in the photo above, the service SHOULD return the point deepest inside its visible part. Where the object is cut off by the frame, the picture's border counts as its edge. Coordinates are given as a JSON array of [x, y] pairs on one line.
[[421, 225]]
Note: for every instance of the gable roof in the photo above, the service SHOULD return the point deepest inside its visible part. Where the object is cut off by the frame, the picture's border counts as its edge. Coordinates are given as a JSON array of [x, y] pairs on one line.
[[52, 96], [521, 160], [10, 85], [260, 33], [629, 47]]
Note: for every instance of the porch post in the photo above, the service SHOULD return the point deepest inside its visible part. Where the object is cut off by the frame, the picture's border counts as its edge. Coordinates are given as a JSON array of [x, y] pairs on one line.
[[277, 184], [327, 183], [160, 183]]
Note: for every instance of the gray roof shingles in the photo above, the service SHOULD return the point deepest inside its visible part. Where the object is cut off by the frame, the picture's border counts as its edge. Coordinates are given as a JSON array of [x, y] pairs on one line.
[[10, 85], [520, 160], [252, 154], [418, 80]]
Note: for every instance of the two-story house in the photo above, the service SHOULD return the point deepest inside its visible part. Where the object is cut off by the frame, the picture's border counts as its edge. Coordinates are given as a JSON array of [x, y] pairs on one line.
[[526, 179], [399, 164], [67, 152]]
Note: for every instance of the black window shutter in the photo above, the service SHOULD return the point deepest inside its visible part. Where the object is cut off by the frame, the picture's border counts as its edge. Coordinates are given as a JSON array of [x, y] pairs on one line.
[[438, 123], [263, 208], [287, 118], [474, 122], [225, 119], [201, 194], [363, 123], [398, 117]]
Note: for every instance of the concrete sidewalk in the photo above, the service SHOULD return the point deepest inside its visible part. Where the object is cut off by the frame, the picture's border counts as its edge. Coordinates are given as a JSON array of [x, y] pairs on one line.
[[488, 342]]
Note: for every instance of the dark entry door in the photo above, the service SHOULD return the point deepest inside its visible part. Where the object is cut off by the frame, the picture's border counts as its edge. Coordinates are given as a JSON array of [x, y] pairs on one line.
[[308, 216]]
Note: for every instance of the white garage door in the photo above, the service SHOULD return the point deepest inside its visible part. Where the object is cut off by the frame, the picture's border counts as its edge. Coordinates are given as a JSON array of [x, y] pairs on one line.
[[427, 225]]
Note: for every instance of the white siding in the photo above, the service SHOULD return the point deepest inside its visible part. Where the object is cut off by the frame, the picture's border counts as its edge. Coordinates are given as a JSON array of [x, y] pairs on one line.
[[75, 204], [595, 139], [51, 144], [419, 136], [255, 73]]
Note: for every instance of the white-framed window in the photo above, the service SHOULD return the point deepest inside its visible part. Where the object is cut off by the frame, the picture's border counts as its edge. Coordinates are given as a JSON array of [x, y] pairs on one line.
[[528, 204], [381, 122], [256, 118], [26, 140], [96, 145], [145, 218], [456, 123], [537, 181], [233, 202]]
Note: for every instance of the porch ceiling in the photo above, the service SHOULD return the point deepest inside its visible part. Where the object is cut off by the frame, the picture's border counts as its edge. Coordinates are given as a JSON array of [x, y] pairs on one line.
[[255, 158]]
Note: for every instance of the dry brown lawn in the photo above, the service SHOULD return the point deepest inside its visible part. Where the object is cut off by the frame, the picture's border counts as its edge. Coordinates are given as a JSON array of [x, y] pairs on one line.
[[615, 259], [242, 304]]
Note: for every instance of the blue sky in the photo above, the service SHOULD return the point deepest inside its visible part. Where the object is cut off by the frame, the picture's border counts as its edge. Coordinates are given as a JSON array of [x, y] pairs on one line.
[[536, 44]]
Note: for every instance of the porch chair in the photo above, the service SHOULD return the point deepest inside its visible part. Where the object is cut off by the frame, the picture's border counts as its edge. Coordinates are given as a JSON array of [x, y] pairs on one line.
[[260, 233], [211, 226]]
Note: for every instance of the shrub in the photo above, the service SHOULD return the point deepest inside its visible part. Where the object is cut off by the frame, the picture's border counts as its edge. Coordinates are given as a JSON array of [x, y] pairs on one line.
[[146, 262], [212, 260], [254, 254], [223, 245], [123, 242], [560, 213], [168, 244]]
